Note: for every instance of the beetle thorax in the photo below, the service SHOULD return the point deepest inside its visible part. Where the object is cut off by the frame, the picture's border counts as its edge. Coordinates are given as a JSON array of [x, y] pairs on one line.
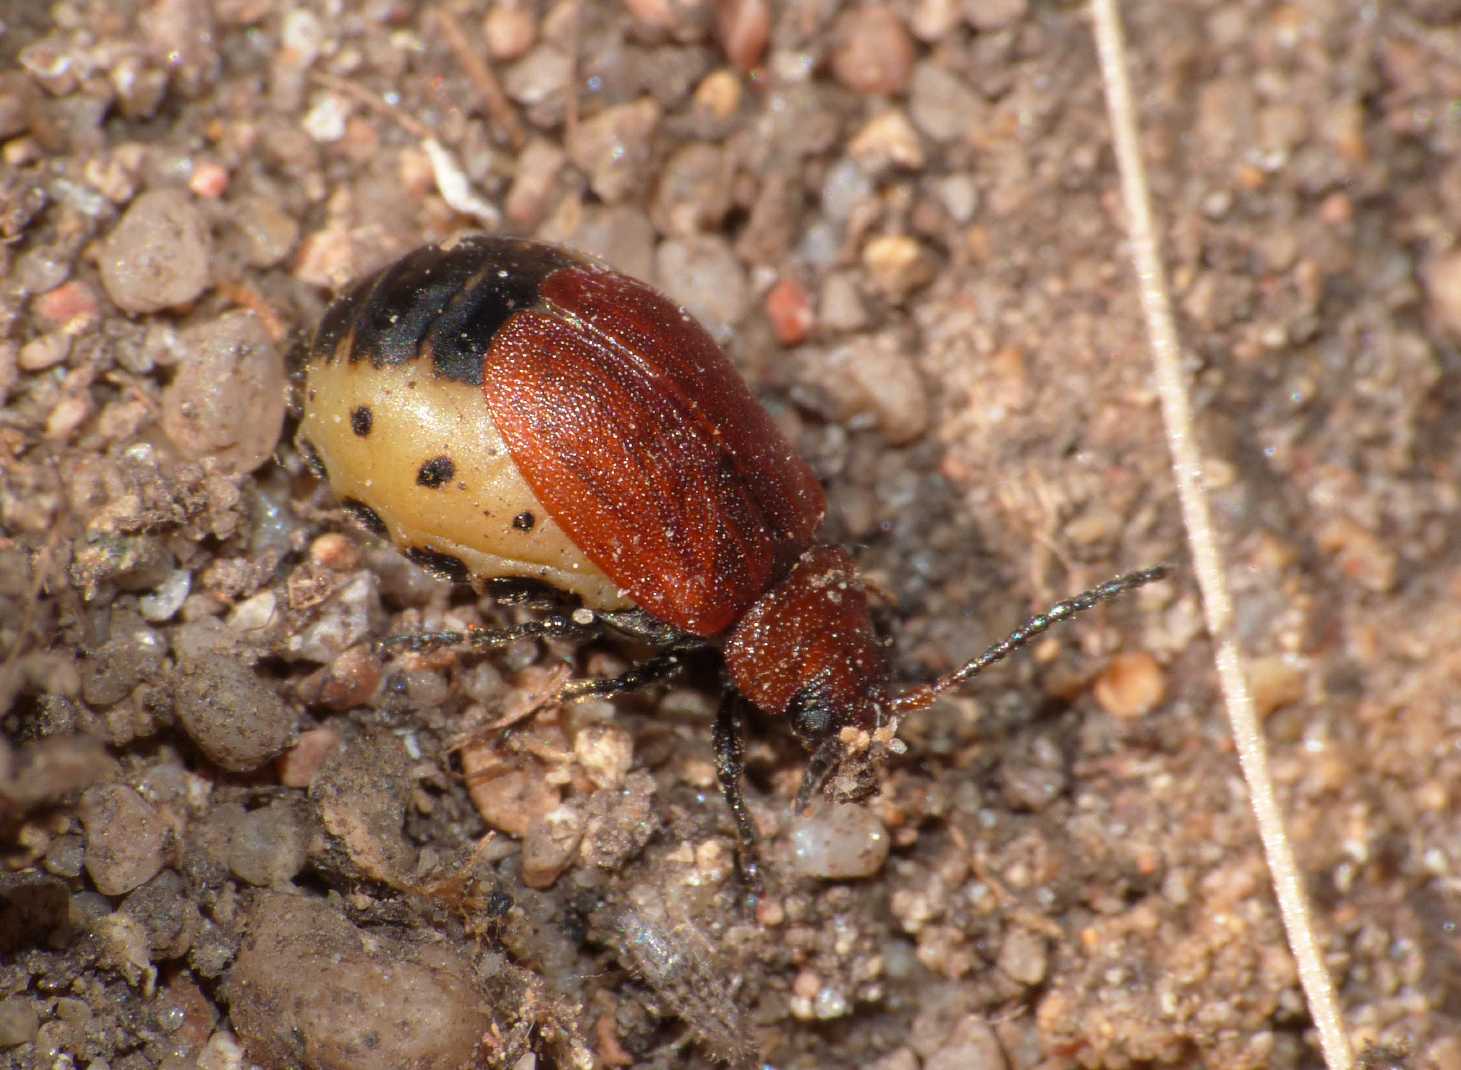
[[807, 649]]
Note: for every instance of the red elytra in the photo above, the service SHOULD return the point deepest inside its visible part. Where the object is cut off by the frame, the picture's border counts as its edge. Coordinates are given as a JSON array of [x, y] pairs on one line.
[[643, 442]]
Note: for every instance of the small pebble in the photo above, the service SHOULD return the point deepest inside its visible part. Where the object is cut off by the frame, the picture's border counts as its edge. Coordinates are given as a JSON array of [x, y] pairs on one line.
[[209, 180], [168, 917], [335, 551], [617, 824], [805, 985], [719, 95], [326, 258], [157, 256], [789, 308], [693, 193], [221, 1052], [839, 842], [873, 51], [972, 1046], [550, 845], [622, 237], [44, 351], [840, 306], [873, 375], [536, 81], [183, 35], [113, 669], [66, 856], [49, 67], [361, 793], [299, 764], [231, 713], [227, 400], [1132, 685], [888, 140], [1023, 956], [897, 264], [302, 35], [269, 845], [1033, 774], [167, 597], [704, 275], [510, 30], [604, 752], [348, 618], [124, 838], [351, 680], [535, 183], [743, 27], [1276, 681], [70, 412], [845, 189], [309, 988], [941, 104], [960, 196], [18, 1021], [325, 122], [71, 306], [269, 233], [510, 800], [612, 148]]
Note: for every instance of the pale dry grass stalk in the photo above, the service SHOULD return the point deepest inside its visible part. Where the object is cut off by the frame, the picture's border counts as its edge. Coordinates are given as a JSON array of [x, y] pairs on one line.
[[1207, 561]]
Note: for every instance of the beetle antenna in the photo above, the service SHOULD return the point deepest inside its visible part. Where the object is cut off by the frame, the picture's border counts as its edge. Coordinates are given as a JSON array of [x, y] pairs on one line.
[[920, 697]]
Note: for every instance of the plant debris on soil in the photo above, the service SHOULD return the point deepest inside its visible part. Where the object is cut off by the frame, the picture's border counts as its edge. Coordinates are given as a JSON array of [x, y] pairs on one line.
[[237, 833]]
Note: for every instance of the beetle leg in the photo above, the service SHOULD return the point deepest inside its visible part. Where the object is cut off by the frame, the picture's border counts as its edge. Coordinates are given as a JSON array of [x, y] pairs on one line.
[[661, 667], [730, 765], [638, 625], [819, 767], [558, 626]]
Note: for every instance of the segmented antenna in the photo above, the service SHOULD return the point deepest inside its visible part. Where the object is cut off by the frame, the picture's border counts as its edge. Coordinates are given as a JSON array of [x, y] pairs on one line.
[[920, 697]]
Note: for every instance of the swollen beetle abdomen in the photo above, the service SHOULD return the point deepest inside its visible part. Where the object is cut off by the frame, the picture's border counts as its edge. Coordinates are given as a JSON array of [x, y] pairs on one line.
[[395, 416]]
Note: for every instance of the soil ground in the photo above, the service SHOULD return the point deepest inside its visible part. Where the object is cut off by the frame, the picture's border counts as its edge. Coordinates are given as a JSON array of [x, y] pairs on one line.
[[234, 833]]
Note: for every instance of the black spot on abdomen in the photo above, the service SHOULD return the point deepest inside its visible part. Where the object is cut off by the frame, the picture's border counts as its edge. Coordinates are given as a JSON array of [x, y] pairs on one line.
[[444, 566], [312, 461], [366, 517], [436, 472]]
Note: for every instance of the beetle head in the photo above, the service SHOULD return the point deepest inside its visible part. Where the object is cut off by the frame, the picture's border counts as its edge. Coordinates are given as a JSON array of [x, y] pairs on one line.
[[807, 650]]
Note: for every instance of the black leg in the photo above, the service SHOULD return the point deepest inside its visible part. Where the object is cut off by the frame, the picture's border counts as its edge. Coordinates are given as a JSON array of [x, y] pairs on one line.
[[730, 765], [819, 767], [557, 626], [661, 667]]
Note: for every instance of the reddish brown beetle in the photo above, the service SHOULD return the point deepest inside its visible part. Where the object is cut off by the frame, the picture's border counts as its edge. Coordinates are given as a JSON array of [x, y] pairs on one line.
[[509, 411]]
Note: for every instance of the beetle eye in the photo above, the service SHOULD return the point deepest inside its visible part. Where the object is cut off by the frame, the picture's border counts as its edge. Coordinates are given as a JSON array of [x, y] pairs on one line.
[[810, 719]]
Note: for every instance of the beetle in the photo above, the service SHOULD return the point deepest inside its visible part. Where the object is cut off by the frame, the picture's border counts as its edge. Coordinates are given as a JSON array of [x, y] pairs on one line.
[[512, 414]]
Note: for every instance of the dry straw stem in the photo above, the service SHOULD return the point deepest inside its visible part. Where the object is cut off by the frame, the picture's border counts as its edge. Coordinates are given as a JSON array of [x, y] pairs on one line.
[[1208, 565]]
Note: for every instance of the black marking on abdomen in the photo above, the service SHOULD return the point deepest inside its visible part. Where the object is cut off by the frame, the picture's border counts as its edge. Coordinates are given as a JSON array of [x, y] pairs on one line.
[[312, 459], [435, 473], [366, 517], [444, 566], [453, 301]]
